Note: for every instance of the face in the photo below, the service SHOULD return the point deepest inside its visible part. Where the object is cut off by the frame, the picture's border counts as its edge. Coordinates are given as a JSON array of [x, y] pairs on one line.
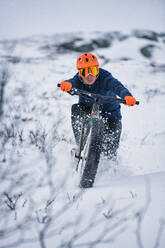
[[90, 79]]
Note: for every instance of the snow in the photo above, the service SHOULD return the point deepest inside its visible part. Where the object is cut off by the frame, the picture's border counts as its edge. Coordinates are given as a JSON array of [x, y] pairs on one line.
[[41, 204]]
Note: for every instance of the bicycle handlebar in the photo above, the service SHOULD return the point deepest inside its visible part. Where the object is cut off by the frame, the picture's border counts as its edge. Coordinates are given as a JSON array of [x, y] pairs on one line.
[[79, 92]]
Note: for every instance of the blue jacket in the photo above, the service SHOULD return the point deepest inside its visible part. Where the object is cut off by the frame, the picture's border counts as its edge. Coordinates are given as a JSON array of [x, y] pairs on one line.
[[105, 85]]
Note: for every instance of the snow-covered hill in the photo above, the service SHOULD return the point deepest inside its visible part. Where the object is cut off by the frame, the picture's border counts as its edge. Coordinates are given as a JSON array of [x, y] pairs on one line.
[[40, 203]]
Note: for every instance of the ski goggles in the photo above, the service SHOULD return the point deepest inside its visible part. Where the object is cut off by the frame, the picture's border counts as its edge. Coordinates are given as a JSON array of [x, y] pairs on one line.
[[94, 70]]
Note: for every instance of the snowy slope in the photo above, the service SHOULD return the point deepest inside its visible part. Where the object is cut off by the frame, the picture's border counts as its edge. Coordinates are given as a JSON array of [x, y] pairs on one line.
[[41, 206]]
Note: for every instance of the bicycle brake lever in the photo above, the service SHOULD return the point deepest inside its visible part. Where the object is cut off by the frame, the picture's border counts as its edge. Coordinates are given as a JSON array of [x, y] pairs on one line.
[[72, 92]]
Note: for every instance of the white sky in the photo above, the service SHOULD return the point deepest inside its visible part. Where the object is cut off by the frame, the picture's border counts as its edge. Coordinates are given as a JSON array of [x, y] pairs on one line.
[[20, 18]]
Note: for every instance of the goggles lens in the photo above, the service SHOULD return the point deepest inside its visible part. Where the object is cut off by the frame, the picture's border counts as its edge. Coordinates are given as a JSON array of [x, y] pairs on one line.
[[89, 70]]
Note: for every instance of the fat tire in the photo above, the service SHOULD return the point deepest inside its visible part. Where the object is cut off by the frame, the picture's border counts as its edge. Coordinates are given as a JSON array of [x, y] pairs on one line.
[[93, 154]]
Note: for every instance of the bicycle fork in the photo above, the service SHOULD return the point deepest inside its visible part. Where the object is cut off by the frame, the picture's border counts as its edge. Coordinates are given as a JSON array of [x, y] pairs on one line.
[[83, 137]]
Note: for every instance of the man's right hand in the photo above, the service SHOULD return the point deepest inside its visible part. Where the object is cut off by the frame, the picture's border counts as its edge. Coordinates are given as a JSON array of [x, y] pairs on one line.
[[66, 86]]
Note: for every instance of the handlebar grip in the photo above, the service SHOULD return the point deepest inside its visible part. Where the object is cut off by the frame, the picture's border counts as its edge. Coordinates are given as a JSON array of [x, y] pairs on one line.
[[124, 102], [59, 85]]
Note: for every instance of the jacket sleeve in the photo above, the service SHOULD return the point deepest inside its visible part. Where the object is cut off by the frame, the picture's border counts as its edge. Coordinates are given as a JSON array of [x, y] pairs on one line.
[[74, 81], [116, 86]]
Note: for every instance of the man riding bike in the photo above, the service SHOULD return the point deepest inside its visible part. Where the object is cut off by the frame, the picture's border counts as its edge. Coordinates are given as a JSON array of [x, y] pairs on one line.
[[96, 80]]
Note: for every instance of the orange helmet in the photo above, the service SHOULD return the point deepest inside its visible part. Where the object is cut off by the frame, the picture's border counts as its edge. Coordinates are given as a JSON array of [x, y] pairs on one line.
[[86, 60]]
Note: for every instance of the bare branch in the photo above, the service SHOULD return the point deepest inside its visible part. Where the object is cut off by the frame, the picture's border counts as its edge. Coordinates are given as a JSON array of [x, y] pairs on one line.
[[160, 232]]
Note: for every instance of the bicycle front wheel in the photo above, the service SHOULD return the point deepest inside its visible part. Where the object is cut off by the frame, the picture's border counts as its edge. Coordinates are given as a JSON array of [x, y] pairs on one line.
[[93, 154]]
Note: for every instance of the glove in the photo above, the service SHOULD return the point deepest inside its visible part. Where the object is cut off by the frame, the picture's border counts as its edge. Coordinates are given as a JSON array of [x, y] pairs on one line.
[[130, 100], [66, 86]]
